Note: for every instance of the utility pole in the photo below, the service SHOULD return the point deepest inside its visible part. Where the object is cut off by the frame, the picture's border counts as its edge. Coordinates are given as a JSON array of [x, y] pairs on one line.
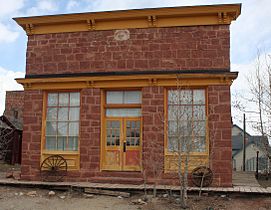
[[244, 143]]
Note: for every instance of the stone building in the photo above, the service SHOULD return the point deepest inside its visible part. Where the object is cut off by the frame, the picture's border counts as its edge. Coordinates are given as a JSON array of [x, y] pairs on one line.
[[98, 92]]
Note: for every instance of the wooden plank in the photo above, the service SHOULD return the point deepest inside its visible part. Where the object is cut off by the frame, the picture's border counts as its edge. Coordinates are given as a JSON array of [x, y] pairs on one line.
[[107, 192]]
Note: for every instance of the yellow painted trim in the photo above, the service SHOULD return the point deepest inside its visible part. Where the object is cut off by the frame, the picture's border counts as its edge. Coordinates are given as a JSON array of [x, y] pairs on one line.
[[140, 18], [102, 143], [127, 81]]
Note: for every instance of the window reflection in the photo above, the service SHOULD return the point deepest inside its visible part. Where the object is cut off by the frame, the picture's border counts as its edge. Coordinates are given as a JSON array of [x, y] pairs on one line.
[[186, 120]]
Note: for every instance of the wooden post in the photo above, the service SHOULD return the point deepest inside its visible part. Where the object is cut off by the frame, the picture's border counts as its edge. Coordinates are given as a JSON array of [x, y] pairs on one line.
[[244, 144], [257, 165]]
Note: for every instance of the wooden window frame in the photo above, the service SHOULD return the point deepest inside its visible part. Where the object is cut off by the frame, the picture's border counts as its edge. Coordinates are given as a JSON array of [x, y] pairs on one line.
[[193, 153], [72, 157]]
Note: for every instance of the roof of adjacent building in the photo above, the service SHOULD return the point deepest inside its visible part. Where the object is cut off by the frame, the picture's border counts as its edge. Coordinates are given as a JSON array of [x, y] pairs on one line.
[[237, 141], [6, 124], [136, 18], [14, 108]]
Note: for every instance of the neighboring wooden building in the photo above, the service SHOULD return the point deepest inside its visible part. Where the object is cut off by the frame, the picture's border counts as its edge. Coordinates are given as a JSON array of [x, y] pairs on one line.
[[253, 144], [11, 125], [98, 91]]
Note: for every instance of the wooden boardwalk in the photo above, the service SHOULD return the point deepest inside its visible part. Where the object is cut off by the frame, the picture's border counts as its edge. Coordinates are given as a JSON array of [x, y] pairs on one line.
[[125, 187], [244, 178]]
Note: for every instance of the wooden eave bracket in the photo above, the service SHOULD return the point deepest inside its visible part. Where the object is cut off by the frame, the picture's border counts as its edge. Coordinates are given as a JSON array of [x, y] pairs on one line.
[[225, 17], [152, 20], [90, 83], [91, 24], [29, 28], [153, 82], [27, 85]]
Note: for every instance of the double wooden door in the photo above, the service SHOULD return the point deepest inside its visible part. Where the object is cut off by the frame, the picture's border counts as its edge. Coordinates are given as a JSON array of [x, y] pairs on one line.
[[122, 144]]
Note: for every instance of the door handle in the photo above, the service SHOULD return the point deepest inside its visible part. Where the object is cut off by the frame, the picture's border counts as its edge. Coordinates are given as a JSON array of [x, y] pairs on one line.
[[124, 146]]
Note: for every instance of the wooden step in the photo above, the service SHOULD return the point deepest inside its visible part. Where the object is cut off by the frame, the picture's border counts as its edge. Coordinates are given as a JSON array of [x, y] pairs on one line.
[[117, 180]]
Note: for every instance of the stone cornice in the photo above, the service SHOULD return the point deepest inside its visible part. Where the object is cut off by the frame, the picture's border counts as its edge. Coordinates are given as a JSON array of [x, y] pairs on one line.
[[123, 19]]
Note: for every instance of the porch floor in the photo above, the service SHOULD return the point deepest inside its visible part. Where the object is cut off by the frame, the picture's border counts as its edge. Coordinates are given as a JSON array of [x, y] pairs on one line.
[[244, 178], [71, 185]]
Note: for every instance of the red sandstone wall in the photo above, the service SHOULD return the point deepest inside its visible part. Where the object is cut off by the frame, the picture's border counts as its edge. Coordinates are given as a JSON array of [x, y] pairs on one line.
[[220, 134], [14, 102], [90, 129], [153, 131], [31, 143], [185, 48]]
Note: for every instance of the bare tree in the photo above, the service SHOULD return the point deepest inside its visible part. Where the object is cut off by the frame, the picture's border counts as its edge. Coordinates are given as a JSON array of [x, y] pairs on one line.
[[186, 130], [260, 90], [257, 102], [5, 138]]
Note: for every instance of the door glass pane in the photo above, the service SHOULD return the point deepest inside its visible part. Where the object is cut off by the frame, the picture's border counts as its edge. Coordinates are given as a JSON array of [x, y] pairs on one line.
[[52, 99], [74, 99], [63, 99], [132, 97], [132, 133], [112, 133], [114, 97], [133, 112]]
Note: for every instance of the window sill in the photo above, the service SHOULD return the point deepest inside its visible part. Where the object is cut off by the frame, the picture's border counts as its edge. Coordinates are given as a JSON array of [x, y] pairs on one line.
[[58, 152]]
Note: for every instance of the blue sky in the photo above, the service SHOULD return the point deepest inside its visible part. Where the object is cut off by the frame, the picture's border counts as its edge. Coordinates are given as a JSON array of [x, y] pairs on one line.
[[250, 32]]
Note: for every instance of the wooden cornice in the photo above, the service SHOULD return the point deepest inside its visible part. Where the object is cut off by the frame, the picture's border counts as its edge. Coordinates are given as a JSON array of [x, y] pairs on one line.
[[138, 18], [124, 81]]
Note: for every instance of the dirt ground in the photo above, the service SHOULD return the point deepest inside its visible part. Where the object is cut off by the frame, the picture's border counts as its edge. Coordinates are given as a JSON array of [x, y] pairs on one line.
[[15, 198]]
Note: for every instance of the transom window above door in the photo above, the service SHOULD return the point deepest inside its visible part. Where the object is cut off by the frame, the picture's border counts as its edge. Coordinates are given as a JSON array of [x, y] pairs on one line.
[[123, 97], [123, 103]]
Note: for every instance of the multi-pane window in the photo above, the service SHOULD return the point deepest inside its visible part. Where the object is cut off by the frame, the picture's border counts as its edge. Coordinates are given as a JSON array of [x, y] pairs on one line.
[[186, 120], [62, 121]]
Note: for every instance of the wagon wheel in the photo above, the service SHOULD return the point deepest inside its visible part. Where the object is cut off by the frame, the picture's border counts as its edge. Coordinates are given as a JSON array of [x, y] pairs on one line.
[[53, 168], [202, 174]]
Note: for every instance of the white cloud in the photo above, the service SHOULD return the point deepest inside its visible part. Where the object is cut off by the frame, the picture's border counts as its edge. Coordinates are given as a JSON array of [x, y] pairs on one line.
[[72, 5], [251, 30], [102, 5], [43, 7], [7, 35], [7, 82], [8, 8]]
